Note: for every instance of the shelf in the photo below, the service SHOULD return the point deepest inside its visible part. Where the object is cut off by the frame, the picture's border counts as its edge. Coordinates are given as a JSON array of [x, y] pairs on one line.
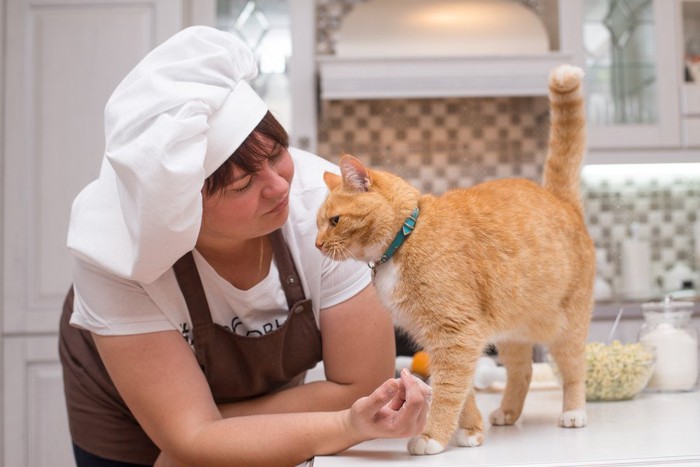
[[642, 156], [608, 310], [436, 77]]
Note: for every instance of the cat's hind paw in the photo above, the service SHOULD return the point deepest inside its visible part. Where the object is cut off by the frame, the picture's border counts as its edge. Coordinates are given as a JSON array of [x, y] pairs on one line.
[[422, 445], [573, 419], [469, 438], [499, 417]]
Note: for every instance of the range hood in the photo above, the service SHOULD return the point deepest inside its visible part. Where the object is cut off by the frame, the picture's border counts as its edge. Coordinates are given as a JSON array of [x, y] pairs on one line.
[[438, 48]]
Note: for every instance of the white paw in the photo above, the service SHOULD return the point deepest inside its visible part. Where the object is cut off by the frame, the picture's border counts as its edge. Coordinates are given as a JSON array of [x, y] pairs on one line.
[[420, 446], [464, 439], [573, 419], [498, 418]]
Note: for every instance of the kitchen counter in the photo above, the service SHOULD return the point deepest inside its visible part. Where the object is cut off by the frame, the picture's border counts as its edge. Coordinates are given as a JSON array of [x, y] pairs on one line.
[[652, 429]]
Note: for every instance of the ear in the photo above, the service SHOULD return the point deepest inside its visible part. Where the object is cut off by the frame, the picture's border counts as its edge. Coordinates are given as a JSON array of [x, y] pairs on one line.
[[332, 180], [356, 177]]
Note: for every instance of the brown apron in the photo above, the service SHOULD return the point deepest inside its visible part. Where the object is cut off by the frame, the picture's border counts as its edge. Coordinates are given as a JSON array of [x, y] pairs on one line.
[[236, 367]]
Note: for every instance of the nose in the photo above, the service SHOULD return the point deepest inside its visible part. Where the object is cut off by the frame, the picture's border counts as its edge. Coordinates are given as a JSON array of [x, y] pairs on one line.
[[319, 245], [276, 186]]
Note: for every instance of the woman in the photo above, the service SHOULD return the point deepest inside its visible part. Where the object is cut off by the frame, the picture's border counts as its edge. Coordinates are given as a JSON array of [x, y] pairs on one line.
[[199, 300]]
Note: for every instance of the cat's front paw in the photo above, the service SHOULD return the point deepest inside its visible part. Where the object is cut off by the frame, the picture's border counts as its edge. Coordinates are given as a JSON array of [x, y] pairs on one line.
[[469, 438], [573, 419], [422, 445], [499, 417]]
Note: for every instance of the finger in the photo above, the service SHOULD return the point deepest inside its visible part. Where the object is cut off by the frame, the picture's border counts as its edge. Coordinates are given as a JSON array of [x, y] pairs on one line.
[[399, 398], [417, 406], [381, 396], [414, 399]]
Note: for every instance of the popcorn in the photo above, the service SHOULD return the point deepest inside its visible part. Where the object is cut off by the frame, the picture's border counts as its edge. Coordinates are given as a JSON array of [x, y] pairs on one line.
[[617, 371]]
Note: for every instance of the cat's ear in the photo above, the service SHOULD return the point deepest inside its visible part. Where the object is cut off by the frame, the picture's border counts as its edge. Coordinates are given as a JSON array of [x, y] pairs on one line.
[[332, 180], [356, 177]]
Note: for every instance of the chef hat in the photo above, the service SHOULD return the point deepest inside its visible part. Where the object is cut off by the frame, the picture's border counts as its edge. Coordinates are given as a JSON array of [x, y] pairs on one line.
[[175, 118]]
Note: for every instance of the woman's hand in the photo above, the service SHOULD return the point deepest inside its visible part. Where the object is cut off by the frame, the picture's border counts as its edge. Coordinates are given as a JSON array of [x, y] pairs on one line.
[[396, 409]]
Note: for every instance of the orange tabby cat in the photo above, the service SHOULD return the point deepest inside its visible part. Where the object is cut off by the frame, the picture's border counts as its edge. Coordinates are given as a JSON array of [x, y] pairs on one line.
[[508, 262]]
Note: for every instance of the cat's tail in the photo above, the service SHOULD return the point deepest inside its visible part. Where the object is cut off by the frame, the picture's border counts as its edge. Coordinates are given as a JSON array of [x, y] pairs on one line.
[[567, 137]]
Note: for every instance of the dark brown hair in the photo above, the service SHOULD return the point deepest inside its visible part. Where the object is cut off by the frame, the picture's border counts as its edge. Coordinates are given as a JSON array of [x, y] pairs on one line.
[[250, 155]]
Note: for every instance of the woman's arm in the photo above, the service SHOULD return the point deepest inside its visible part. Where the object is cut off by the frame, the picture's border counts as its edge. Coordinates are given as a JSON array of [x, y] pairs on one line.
[[161, 382], [358, 355]]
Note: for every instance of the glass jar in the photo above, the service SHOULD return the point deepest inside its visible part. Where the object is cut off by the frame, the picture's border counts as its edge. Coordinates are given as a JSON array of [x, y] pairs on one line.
[[668, 329]]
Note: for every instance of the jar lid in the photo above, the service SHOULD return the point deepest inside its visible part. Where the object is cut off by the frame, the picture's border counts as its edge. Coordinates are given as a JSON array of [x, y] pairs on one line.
[[667, 304]]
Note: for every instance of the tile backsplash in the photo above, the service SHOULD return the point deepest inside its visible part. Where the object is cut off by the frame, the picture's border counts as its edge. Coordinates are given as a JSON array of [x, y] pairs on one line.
[[439, 144]]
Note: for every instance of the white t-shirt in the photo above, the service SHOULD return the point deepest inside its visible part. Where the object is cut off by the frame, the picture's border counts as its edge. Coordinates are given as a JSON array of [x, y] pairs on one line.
[[109, 305]]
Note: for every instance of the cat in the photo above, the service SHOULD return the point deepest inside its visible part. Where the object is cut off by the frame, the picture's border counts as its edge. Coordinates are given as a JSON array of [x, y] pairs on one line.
[[507, 262]]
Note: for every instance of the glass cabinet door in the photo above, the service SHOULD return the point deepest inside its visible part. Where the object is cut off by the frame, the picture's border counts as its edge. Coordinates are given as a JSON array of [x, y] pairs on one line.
[[618, 42], [627, 50], [281, 34], [264, 26]]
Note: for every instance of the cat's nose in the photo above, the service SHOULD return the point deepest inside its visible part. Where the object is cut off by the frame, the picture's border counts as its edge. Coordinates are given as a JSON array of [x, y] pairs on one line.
[[319, 245]]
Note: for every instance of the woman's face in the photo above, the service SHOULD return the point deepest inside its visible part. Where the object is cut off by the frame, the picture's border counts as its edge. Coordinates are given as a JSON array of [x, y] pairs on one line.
[[254, 204]]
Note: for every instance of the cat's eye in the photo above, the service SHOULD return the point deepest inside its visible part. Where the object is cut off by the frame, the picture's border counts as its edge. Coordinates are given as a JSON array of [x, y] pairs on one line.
[[334, 220]]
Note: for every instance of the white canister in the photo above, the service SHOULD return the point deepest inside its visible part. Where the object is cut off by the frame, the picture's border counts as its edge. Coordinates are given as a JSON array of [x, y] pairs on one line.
[[635, 266], [668, 329]]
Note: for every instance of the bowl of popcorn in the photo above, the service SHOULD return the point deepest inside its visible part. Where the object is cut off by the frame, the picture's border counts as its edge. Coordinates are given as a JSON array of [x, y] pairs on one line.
[[616, 371]]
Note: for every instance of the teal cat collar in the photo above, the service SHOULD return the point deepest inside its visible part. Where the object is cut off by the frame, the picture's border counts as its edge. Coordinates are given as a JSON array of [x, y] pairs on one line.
[[408, 225]]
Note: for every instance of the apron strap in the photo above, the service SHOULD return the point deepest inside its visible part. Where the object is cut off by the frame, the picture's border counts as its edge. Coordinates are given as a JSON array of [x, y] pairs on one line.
[[191, 286], [287, 270]]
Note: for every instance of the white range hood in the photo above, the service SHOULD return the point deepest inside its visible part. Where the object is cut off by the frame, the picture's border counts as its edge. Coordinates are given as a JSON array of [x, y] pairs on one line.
[[438, 48]]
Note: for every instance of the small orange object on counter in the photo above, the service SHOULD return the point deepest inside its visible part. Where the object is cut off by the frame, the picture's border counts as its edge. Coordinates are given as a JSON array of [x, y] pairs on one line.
[[421, 364]]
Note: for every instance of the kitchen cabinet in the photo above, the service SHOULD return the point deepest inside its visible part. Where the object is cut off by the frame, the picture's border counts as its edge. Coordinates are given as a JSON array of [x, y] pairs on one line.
[[488, 58], [629, 52], [61, 61], [282, 35], [652, 429], [630, 49], [688, 17]]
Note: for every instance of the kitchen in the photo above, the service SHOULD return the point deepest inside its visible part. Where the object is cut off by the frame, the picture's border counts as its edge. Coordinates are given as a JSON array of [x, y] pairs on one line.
[[436, 135]]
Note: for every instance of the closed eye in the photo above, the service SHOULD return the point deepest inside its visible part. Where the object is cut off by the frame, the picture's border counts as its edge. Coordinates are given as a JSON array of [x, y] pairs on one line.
[[334, 220]]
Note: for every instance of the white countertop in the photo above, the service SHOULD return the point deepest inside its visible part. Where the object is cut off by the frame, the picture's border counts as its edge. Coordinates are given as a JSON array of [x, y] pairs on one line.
[[653, 429]]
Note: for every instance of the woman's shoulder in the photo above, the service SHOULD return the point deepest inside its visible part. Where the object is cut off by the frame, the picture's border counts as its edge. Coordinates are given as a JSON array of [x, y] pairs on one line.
[[108, 304]]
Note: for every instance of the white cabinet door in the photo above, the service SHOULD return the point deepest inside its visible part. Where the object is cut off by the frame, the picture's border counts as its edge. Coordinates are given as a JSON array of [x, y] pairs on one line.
[[61, 61], [630, 53], [64, 58]]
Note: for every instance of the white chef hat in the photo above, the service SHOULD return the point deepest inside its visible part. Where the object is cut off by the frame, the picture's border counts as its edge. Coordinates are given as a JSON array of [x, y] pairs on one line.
[[175, 118]]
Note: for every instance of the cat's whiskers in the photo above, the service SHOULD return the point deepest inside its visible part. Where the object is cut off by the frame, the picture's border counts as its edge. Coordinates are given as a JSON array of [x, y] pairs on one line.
[[338, 252], [349, 253]]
